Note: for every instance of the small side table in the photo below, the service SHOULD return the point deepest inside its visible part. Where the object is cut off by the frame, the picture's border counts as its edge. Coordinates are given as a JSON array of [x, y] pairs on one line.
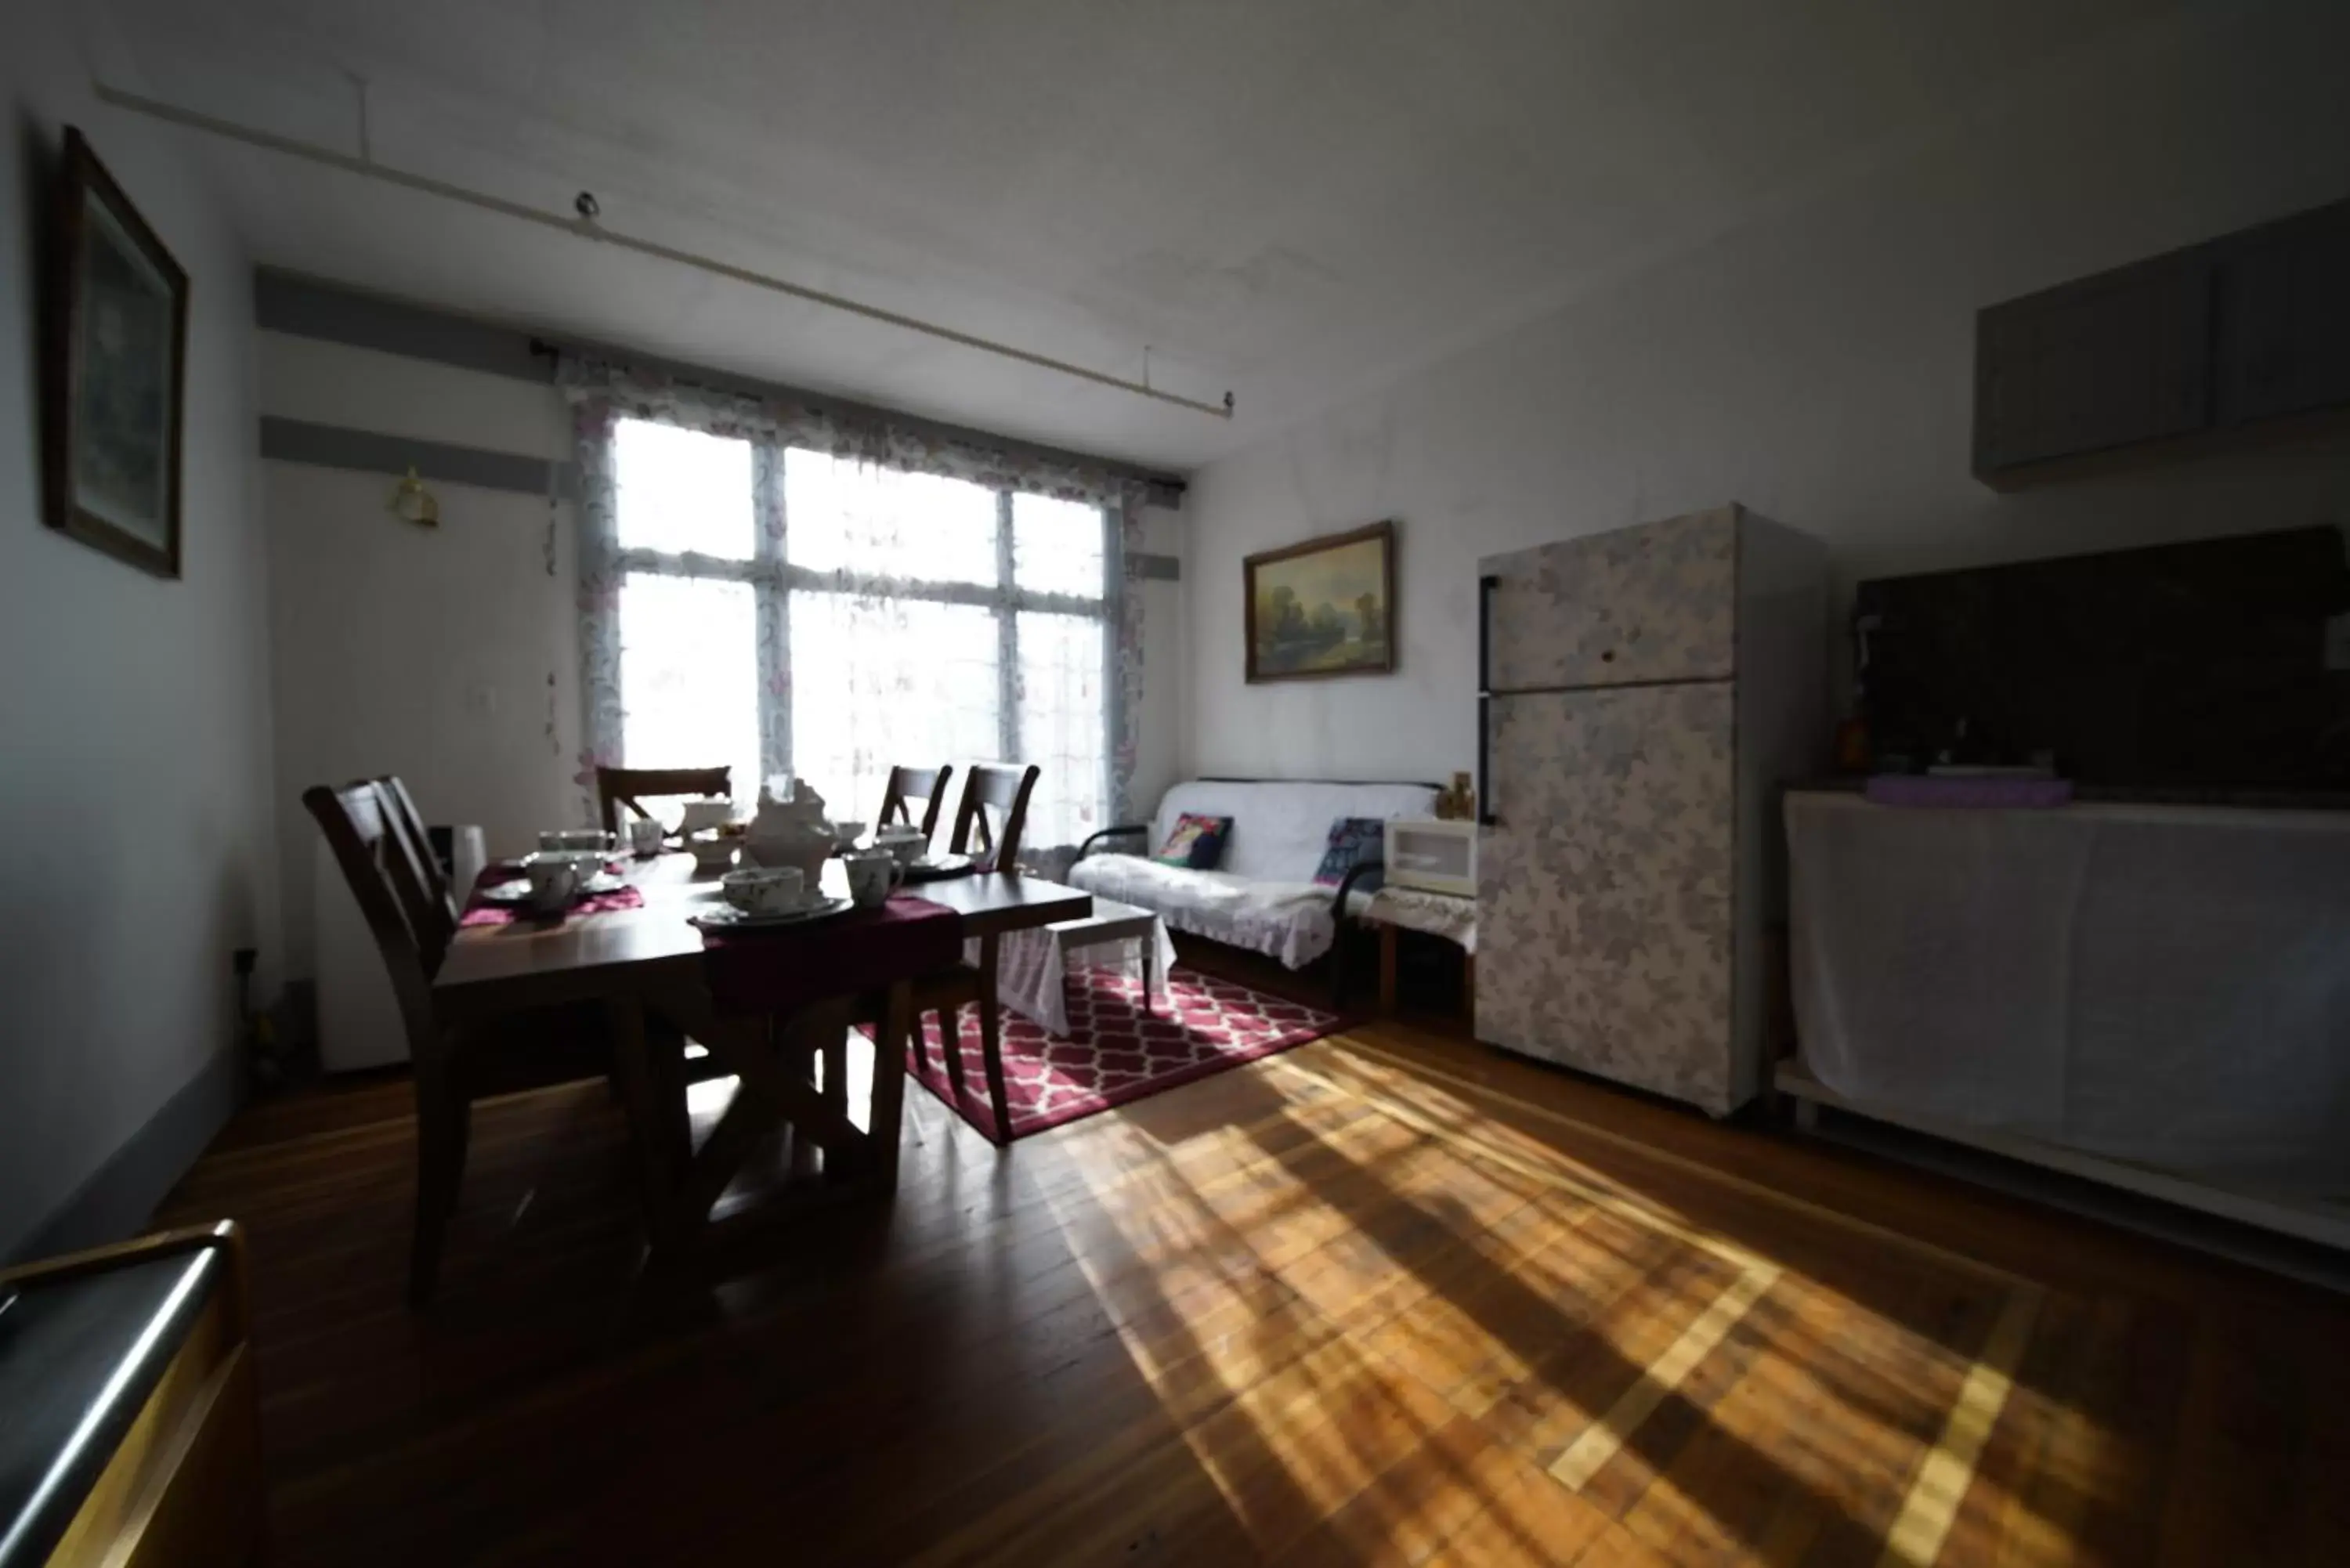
[[1444, 915], [1032, 965], [1113, 922]]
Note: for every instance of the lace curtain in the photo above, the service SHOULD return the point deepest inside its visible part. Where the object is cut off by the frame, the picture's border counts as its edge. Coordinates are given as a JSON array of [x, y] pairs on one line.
[[763, 585]]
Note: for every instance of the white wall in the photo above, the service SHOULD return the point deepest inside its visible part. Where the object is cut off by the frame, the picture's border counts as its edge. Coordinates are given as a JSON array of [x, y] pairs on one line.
[[449, 655], [1817, 366], [134, 713]]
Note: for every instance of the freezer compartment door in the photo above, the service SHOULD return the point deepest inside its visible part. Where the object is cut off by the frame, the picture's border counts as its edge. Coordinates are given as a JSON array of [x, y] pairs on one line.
[[1654, 603], [1604, 886]]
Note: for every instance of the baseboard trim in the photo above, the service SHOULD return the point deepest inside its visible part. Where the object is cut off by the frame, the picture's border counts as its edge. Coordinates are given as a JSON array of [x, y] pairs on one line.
[[119, 1198]]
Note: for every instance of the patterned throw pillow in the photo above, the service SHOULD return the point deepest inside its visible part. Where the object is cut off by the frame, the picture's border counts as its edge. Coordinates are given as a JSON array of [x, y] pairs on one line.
[[1353, 839], [1197, 842]]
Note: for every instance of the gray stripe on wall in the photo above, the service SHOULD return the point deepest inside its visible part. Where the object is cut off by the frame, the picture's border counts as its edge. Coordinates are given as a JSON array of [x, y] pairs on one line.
[[312, 307], [284, 302], [1155, 568], [367, 452]]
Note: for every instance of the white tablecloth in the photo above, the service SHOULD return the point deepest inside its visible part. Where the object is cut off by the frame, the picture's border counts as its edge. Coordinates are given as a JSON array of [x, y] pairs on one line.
[[2165, 985], [1030, 965], [1445, 915]]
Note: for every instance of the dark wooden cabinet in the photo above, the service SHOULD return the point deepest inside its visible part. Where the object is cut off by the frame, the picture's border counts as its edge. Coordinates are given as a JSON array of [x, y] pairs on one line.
[[2109, 361], [2283, 327], [2167, 355]]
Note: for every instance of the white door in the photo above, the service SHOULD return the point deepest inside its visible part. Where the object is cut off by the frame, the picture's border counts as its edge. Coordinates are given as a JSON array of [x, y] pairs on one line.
[[1604, 885]]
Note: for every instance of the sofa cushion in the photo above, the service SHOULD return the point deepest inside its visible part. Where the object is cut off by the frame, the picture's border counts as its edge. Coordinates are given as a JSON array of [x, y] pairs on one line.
[[1196, 841], [1352, 840], [1280, 827]]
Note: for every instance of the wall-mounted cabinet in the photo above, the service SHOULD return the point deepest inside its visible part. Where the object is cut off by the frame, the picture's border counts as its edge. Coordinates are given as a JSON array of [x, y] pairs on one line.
[[2169, 355]]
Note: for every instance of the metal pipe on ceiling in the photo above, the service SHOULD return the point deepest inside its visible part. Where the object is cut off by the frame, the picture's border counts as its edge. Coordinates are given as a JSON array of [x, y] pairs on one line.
[[585, 227]]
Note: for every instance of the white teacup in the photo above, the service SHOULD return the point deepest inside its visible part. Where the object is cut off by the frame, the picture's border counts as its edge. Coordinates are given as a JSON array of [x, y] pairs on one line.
[[905, 843], [766, 889], [645, 836], [554, 879], [873, 874]]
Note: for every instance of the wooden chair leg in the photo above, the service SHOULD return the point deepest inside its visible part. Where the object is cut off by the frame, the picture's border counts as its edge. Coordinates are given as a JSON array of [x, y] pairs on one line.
[[990, 1041], [440, 1131], [950, 1043]]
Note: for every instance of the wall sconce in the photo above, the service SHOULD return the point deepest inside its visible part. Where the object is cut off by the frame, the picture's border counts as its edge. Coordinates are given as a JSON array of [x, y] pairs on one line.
[[411, 500]]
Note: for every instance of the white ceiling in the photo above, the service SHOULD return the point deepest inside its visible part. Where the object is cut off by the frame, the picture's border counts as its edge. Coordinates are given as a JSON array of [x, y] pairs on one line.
[[1292, 198]]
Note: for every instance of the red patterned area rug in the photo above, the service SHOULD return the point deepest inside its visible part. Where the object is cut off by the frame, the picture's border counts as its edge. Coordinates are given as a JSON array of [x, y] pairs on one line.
[[1115, 1053]]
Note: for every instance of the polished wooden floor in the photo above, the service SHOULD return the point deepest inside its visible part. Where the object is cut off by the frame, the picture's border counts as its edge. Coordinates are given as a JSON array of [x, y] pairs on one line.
[[1389, 1298]]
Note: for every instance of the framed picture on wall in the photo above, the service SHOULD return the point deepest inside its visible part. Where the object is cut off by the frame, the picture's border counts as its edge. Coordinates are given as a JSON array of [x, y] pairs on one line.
[[1323, 607], [113, 371]]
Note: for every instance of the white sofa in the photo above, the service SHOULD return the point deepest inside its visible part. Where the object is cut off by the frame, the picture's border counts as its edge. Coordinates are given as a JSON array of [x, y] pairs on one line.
[[1261, 896]]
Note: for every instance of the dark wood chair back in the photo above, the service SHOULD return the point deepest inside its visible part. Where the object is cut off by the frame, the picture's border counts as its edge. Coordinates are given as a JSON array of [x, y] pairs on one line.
[[386, 881], [1005, 790], [631, 787], [435, 919], [910, 785]]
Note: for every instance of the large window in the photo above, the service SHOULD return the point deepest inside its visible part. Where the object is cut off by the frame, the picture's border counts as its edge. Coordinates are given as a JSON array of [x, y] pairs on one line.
[[876, 617]]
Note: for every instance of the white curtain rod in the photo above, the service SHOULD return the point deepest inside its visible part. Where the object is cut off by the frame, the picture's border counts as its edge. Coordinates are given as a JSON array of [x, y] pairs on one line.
[[585, 228]]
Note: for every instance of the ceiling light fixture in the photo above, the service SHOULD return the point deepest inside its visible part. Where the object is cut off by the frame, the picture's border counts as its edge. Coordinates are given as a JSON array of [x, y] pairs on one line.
[[585, 226]]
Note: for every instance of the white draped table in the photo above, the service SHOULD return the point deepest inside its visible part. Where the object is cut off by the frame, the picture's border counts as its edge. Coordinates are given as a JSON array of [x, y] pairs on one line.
[[2165, 985]]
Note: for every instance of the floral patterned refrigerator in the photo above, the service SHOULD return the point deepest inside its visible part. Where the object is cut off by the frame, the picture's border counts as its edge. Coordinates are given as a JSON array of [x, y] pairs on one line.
[[1642, 694]]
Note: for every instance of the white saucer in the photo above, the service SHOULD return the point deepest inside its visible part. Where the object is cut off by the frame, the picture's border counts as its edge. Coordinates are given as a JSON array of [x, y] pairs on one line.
[[518, 891], [727, 918]]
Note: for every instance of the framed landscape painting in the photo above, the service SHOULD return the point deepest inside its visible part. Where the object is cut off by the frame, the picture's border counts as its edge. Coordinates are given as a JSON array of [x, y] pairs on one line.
[[112, 372], [1323, 607]]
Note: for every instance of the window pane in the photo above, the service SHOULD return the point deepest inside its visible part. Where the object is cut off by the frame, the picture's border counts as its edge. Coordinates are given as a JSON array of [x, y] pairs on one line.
[[682, 490], [841, 515], [1062, 727], [1056, 546], [689, 676], [878, 682]]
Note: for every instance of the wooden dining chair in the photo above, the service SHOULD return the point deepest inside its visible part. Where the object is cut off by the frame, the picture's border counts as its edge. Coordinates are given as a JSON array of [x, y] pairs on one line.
[[434, 917], [911, 784], [553, 1046], [631, 787], [1003, 791]]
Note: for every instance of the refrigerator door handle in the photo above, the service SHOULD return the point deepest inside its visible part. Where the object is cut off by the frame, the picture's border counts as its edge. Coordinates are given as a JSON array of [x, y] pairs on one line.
[[1486, 818], [1485, 587]]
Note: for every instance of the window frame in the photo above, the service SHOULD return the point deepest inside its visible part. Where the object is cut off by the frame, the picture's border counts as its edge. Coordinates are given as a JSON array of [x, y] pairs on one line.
[[774, 579]]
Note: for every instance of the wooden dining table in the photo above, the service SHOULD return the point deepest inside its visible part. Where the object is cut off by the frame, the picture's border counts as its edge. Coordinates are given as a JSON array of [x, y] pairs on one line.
[[647, 968]]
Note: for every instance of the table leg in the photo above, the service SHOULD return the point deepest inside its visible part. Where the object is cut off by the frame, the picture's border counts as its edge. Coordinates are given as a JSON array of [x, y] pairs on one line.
[[1387, 971], [651, 1127], [991, 1039], [882, 1131], [1149, 945], [665, 1060]]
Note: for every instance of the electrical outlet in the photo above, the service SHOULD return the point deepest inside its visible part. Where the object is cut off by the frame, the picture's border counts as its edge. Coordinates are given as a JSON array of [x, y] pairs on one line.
[[2337, 643]]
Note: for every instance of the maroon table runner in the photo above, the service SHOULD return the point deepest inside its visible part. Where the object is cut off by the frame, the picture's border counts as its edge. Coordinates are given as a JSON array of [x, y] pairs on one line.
[[784, 968], [478, 913]]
